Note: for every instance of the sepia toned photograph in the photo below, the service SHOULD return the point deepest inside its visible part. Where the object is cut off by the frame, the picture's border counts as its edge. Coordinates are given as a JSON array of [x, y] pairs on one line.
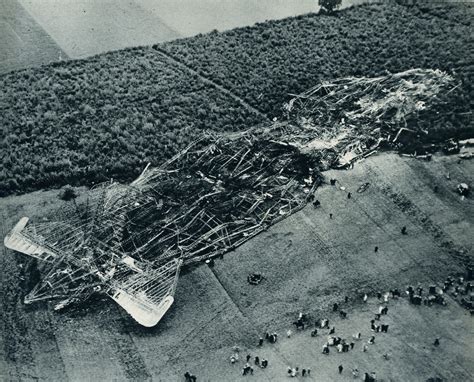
[[237, 190]]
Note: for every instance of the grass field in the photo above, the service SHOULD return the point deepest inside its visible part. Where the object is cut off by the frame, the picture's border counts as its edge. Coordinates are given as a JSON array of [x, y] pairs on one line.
[[309, 262], [85, 28]]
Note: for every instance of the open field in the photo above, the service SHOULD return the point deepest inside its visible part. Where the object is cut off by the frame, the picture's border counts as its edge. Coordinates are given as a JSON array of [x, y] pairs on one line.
[[35, 33], [309, 260], [87, 27], [23, 43], [40, 32]]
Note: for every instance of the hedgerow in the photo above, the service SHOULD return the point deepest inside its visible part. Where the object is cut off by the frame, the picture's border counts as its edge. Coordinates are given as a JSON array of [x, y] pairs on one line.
[[81, 122]]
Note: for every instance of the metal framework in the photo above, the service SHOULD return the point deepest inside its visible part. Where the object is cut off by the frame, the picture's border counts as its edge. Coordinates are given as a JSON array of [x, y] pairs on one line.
[[352, 116], [130, 241]]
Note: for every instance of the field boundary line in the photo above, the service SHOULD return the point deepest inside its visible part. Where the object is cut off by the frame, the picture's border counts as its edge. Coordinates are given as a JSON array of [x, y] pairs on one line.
[[52, 324], [64, 55], [249, 321], [136, 363], [209, 81]]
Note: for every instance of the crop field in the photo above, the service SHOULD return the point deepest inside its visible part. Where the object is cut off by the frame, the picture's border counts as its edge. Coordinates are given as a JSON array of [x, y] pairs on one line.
[[164, 98], [309, 261], [142, 110], [81, 122], [86, 28], [266, 62], [23, 42]]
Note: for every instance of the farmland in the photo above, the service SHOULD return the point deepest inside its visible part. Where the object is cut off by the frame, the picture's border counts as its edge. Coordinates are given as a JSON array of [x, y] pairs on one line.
[[23, 42], [163, 98], [309, 262], [86, 121], [87, 131], [86, 28], [266, 62]]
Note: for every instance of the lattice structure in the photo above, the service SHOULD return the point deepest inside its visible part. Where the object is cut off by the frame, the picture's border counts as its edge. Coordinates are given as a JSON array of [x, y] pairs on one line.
[[129, 241], [353, 116]]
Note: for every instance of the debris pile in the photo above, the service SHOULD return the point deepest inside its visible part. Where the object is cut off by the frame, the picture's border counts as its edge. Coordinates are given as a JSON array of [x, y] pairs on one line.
[[463, 189], [213, 199], [255, 278], [353, 116], [129, 241]]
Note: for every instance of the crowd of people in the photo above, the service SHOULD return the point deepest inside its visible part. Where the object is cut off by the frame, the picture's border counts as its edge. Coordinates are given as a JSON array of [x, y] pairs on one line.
[[335, 342], [415, 295], [341, 345], [295, 372]]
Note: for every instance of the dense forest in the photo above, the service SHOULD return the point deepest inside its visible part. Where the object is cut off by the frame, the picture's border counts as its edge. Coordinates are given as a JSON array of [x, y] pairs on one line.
[[82, 122]]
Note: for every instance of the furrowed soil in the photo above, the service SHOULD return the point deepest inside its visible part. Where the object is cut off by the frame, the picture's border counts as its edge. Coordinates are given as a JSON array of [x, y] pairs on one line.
[[309, 261]]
